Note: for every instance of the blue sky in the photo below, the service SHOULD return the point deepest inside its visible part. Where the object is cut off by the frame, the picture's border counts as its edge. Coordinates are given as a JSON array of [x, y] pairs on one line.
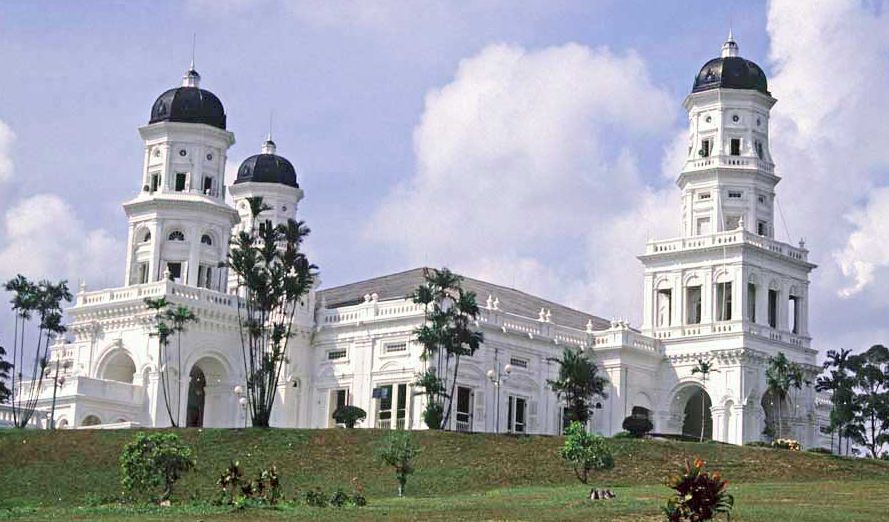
[[361, 90]]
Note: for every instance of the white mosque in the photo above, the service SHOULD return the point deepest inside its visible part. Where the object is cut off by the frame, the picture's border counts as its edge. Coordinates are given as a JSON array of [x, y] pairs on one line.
[[724, 290]]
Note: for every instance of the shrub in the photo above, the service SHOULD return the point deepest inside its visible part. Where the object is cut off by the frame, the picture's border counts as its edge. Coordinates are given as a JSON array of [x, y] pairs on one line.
[[585, 451], [623, 435], [398, 450], [338, 498], [433, 415], [823, 451], [788, 444], [314, 497], [152, 461], [757, 444], [265, 489], [698, 495], [349, 415], [637, 426]]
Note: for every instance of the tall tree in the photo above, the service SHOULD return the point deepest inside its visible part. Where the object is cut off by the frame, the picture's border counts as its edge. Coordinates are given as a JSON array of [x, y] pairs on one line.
[[179, 317], [162, 330], [273, 278], [871, 385], [705, 368], [578, 384], [42, 301], [837, 380], [447, 334], [6, 368], [783, 375]]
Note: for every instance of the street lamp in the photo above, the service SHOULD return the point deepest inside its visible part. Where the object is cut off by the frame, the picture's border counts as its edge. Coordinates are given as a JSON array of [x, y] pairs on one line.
[[497, 377], [242, 401]]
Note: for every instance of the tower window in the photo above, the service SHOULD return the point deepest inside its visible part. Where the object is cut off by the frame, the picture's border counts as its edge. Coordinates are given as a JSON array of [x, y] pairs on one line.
[[155, 182], [176, 235], [205, 276], [705, 148], [736, 118], [735, 194], [693, 304], [758, 146], [773, 308], [736, 147], [751, 302], [793, 313], [180, 181], [175, 270], [664, 307], [724, 301], [208, 184], [147, 237], [732, 222], [704, 195], [762, 228], [703, 226], [207, 240], [142, 273]]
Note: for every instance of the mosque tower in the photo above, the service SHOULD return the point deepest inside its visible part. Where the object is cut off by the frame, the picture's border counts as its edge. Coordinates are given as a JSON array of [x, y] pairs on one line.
[[725, 290], [179, 223]]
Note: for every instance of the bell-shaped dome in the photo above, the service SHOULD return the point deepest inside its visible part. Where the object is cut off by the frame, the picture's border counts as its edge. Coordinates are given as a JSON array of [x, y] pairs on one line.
[[189, 104], [730, 71], [267, 167]]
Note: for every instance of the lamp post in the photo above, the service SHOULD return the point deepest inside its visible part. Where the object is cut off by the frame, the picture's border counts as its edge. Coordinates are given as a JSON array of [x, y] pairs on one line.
[[497, 376], [242, 401]]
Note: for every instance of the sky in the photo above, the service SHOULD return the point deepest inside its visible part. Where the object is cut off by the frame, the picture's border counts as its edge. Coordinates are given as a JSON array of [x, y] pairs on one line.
[[533, 144]]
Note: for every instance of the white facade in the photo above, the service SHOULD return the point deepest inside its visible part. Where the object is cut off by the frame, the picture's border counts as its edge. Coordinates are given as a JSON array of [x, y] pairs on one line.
[[724, 290]]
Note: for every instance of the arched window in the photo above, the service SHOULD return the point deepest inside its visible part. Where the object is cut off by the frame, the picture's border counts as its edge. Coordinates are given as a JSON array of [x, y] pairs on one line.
[[207, 240], [146, 237], [176, 235]]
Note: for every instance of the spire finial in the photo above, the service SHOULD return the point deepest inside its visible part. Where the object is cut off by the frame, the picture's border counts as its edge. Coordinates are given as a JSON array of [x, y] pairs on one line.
[[730, 47], [269, 146], [192, 78]]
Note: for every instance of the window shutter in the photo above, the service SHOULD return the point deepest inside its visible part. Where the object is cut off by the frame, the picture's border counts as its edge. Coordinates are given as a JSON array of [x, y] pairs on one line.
[[532, 416], [478, 416]]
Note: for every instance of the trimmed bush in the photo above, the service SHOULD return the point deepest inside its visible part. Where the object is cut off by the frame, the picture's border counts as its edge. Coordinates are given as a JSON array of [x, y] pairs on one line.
[[585, 451], [637, 426], [349, 415]]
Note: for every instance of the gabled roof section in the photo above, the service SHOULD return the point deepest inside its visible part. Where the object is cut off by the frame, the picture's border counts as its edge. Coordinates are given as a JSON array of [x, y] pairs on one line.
[[403, 284]]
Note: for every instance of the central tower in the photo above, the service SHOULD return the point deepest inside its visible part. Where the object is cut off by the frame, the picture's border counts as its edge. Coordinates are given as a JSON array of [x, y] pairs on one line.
[[179, 224], [725, 290]]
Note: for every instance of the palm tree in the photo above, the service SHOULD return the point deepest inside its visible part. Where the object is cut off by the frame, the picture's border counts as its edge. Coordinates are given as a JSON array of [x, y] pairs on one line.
[[705, 368], [578, 384], [179, 318], [781, 376], [839, 384]]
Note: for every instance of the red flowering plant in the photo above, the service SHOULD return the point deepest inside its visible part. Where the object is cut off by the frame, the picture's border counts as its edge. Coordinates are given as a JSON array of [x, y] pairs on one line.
[[699, 495]]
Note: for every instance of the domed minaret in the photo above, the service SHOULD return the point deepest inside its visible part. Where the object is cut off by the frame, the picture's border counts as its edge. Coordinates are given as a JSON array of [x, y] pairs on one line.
[[179, 223], [725, 290]]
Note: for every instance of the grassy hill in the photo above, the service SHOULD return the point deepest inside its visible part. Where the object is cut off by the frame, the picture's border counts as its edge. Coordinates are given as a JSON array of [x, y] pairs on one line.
[[64, 468]]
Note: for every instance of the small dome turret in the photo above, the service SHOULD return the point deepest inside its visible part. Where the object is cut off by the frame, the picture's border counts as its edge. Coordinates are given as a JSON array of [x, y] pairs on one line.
[[730, 71], [267, 167], [189, 104]]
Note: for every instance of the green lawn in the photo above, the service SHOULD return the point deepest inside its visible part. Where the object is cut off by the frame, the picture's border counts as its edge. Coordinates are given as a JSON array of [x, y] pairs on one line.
[[57, 475]]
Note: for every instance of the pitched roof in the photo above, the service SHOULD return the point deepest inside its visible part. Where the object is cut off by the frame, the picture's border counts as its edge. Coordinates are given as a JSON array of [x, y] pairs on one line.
[[403, 284]]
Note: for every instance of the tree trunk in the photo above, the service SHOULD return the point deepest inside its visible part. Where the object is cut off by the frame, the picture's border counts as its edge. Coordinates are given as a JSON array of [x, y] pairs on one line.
[[703, 413]]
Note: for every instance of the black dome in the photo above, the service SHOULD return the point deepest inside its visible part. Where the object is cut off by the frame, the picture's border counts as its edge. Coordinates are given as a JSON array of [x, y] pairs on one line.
[[189, 105], [267, 168], [731, 72]]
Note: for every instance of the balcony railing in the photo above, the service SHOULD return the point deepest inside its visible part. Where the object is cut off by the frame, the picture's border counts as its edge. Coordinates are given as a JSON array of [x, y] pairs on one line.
[[737, 162], [722, 327], [731, 237], [156, 289]]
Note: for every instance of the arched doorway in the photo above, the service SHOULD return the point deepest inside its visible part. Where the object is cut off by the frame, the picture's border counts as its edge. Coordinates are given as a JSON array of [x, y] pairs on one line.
[[696, 413], [91, 420], [197, 389], [118, 366], [210, 400]]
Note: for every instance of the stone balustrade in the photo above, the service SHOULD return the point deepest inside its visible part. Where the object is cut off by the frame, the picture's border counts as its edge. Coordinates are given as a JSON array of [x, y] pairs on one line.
[[738, 162], [731, 237], [155, 290], [724, 327]]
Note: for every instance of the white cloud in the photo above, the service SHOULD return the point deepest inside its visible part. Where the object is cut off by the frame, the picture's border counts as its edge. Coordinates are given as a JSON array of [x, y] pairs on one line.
[[868, 247], [7, 137], [526, 174], [44, 238]]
